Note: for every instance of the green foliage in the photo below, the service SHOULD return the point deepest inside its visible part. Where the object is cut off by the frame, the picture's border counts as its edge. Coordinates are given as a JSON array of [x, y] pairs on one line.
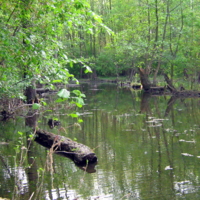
[[51, 40], [36, 41], [151, 32], [64, 94], [36, 106]]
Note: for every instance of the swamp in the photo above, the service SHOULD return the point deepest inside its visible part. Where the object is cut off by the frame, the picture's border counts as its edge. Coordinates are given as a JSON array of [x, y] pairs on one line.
[[85, 113], [147, 148]]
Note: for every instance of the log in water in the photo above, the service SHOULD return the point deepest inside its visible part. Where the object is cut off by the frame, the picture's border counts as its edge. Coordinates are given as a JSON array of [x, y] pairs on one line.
[[78, 152]]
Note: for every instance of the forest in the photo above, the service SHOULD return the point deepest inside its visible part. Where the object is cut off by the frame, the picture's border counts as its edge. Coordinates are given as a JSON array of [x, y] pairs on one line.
[[46, 46], [57, 41]]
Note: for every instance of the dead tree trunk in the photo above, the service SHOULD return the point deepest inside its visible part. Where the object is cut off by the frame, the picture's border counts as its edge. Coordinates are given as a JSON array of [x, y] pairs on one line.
[[79, 153], [30, 93], [170, 86], [146, 84]]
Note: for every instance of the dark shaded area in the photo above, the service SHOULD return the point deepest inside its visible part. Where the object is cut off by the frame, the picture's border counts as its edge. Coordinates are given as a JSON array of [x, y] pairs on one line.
[[31, 96], [6, 115], [52, 123], [136, 87]]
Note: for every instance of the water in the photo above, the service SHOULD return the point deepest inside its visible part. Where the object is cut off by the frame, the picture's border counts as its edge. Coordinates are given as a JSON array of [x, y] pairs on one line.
[[147, 148]]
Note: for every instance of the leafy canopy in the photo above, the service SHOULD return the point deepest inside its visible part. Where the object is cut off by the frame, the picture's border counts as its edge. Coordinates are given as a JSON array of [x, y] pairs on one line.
[[34, 43]]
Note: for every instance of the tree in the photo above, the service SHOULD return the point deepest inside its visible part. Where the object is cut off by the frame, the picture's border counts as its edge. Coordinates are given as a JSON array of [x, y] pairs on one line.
[[37, 39], [155, 34]]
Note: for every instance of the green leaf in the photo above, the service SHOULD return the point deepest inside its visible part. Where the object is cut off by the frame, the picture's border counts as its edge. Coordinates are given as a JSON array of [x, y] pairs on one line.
[[87, 69], [49, 111], [43, 54], [78, 93], [20, 133], [79, 105], [80, 121], [36, 106], [44, 103], [65, 56], [59, 100], [64, 93], [71, 64], [80, 100], [56, 81], [74, 115], [55, 118]]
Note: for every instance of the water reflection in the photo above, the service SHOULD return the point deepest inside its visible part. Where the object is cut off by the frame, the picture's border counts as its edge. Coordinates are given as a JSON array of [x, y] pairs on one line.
[[147, 148], [61, 193], [145, 140], [21, 178]]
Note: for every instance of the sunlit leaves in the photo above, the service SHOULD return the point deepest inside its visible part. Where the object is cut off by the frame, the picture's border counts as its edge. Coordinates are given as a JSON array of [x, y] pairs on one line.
[[64, 93], [79, 102], [36, 106], [87, 69], [57, 81], [60, 100], [78, 93], [74, 115], [36, 43], [43, 54], [135, 25], [80, 120]]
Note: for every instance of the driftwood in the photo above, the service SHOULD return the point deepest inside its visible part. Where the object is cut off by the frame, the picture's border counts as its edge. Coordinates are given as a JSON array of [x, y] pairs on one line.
[[79, 153], [182, 92]]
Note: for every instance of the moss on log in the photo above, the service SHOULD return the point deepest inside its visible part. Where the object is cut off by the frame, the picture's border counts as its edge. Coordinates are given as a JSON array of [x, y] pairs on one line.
[[78, 152]]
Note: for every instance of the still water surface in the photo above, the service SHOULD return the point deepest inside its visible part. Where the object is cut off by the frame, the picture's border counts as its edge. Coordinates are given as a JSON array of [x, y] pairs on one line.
[[148, 147]]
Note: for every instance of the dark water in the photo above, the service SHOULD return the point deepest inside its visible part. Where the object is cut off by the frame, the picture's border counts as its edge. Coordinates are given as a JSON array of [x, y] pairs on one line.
[[148, 147]]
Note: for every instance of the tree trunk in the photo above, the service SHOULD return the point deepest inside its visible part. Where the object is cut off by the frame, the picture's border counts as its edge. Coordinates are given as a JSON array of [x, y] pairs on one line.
[[146, 84], [169, 84], [31, 94]]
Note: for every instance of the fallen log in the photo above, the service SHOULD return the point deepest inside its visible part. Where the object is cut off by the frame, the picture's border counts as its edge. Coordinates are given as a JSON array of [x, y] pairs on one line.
[[181, 92], [79, 153], [159, 90], [169, 89], [186, 93]]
